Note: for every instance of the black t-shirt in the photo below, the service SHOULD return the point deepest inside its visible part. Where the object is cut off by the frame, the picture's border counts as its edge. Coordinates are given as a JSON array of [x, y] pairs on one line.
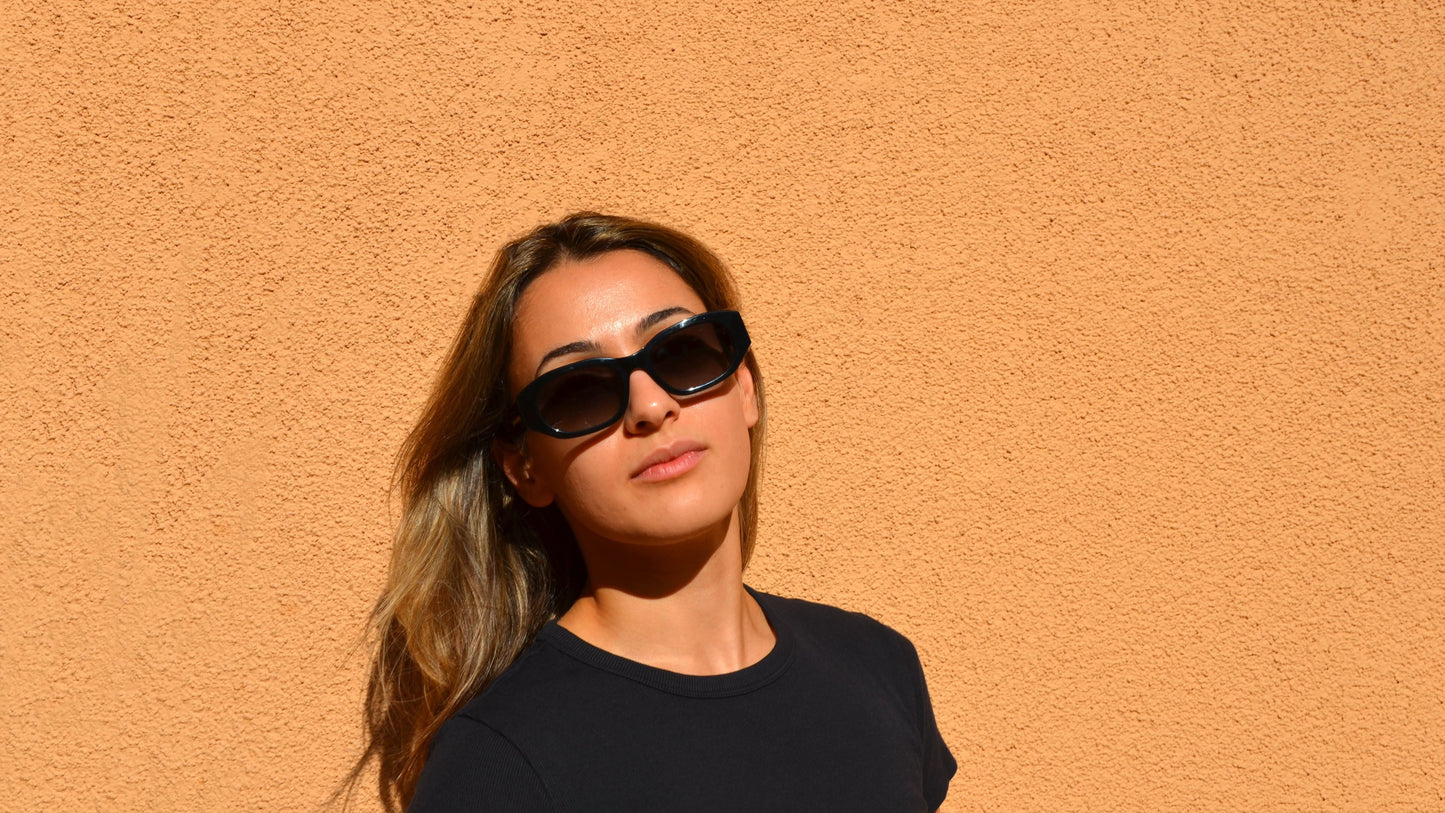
[[835, 718]]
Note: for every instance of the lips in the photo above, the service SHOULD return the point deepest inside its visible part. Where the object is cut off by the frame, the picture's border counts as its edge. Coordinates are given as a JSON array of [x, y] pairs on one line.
[[669, 461]]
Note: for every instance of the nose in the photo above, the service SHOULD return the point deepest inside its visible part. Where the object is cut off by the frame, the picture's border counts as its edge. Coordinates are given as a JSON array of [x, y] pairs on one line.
[[648, 404]]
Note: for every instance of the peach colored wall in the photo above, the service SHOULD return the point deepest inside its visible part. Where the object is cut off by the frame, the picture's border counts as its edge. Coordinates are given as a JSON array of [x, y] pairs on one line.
[[1104, 346]]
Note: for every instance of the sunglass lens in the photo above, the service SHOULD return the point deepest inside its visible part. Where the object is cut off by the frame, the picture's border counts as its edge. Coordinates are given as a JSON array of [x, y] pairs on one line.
[[694, 356], [581, 400]]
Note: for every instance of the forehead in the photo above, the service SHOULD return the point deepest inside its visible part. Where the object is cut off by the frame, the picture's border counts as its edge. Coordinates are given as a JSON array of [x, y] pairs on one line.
[[599, 299]]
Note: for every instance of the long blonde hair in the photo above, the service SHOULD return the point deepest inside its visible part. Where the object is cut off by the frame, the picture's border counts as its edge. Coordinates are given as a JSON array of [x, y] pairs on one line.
[[476, 572]]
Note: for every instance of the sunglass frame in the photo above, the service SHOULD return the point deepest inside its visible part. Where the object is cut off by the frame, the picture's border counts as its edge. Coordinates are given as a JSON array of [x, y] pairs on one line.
[[623, 367]]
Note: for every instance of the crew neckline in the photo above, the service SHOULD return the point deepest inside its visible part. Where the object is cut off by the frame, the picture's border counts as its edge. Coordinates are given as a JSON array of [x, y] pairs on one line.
[[728, 684]]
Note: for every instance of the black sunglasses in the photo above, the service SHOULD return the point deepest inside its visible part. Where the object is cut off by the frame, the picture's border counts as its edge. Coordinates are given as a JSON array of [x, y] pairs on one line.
[[697, 353]]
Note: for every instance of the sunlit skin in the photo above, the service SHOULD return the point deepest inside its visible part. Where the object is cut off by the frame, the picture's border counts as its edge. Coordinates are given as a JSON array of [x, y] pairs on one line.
[[662, 543]]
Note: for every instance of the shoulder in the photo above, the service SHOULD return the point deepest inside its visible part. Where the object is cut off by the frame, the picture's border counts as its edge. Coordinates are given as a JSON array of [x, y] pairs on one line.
[[814, 615], [470, 761], [488, 749], [542, 678], [854, 634]]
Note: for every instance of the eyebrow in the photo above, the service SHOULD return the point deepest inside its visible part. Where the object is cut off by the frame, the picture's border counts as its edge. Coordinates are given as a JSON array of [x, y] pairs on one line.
[[643, 325]]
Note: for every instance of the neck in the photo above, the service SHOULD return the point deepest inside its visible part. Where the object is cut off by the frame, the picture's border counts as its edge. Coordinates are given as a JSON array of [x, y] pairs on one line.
[[679, 606]]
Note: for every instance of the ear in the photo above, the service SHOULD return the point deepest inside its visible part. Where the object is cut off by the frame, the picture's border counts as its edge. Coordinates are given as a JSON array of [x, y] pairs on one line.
[[516, 462], [749, 395]]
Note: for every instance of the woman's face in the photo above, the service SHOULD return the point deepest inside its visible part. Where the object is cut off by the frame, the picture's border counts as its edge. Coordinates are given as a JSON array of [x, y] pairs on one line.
[[672, 468]]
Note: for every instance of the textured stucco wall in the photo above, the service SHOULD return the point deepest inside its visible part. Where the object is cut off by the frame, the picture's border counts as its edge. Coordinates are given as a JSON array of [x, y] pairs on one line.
[[1104, 349]]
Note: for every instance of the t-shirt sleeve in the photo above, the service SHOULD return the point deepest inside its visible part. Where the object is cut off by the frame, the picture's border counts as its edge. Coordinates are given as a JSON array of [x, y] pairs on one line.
[[473, 768], [939, 766]]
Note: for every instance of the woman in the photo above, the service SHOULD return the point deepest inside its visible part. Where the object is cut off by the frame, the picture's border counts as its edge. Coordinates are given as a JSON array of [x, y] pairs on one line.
[[565, 626]]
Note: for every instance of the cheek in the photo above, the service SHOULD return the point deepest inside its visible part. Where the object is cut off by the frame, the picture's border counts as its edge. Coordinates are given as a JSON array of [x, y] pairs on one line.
[[585, 481], [585, 489], [725, 424], [740, 454]]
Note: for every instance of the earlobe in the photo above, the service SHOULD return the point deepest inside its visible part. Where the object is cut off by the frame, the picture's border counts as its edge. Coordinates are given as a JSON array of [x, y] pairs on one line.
[[516, 463]]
